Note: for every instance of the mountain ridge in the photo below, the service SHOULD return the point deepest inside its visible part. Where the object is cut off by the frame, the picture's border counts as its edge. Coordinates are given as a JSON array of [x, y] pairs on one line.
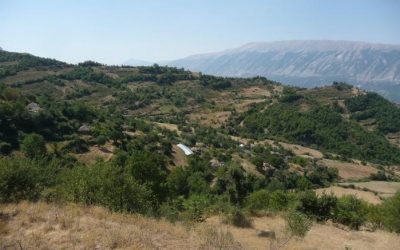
[[307, 63]]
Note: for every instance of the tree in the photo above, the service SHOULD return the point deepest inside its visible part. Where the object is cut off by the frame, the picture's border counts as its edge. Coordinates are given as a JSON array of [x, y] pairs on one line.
[[149, 170], [19, 180], [33, 146]]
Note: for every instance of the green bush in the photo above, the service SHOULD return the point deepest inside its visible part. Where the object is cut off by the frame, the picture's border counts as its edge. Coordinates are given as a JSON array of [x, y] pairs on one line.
[[351, 211], [237, 218], [297, 224], [33, 146], [100, 140], [102, 184], [77, 145], [278, 200], [391, 213], [172, 210], [195, 207], [19, 180], [258, 200], [300, 161], [320, 208]]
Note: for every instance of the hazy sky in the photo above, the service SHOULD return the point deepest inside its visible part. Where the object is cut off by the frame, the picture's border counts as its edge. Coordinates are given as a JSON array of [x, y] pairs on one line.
[[115, 31]]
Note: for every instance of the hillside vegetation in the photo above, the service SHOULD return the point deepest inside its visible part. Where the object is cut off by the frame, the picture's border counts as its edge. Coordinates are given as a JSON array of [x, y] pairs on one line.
[[98, 135]]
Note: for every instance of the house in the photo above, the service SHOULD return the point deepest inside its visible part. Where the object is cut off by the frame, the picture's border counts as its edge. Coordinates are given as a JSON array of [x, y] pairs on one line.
[[33, 107], [185, 149], [84, 129]]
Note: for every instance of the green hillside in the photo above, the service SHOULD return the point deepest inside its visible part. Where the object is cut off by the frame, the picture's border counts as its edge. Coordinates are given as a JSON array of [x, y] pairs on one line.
[[108, 135]]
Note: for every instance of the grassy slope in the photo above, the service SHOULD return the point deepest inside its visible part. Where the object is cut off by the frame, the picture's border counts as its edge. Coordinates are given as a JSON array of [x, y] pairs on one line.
[[44, 226]]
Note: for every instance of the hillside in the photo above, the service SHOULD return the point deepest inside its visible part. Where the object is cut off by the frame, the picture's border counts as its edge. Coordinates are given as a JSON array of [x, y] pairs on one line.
[[109, 136], [307, 64]]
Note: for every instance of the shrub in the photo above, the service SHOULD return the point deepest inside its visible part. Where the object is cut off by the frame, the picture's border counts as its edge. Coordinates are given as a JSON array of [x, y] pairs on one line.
[[320, 208], [171, 210], [33, 146], [297, 224], [19, 180], [5, 148], [105, 185], [100, 140], [391, 212], [195, 207], [350, 211], [279, 200], [303, 183], [237, 218], [77, 145], [300, 161], [258, 200]]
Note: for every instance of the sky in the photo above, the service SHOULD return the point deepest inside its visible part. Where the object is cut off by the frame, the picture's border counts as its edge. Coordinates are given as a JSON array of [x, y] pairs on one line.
[[155, 30]]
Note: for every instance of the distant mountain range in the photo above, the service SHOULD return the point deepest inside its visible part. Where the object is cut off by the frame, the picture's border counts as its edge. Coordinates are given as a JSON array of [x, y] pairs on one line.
[[307, 63]]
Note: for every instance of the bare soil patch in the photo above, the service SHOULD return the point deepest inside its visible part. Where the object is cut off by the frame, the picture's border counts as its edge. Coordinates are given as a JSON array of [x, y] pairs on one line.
[[383, 189], [256, 92], [211, 119], [300, 150], [104, 152], [169, 126], [349, 170]]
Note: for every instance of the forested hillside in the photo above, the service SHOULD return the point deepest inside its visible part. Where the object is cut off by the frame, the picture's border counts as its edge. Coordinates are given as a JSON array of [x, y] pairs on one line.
[[108, 135]]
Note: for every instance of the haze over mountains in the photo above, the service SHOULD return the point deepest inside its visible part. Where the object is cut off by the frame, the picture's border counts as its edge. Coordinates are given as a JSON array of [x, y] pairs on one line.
[[307, 63]]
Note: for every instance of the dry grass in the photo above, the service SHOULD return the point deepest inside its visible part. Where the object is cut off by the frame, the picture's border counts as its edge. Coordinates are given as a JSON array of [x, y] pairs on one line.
[[169, 126], [244, 105], [104, 152], [321, 236], [45, 226], [49, 226], [383, 189], [348, 171], [247, 165], [331, 237], [254, 92], [300, 150], [211, 119], [341, 191]]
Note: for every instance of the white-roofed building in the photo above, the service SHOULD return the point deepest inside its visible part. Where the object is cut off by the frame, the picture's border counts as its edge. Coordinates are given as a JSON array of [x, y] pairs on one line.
[[185, 149]]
